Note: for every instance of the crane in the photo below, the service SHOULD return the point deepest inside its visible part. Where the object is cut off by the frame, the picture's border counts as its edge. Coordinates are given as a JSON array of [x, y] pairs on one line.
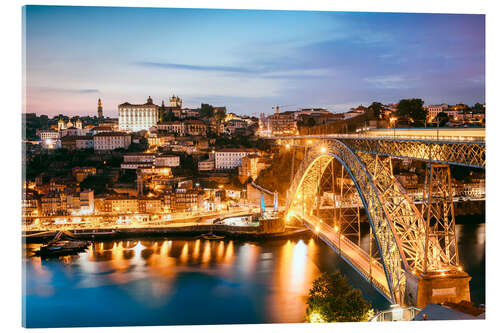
[[277, 107]]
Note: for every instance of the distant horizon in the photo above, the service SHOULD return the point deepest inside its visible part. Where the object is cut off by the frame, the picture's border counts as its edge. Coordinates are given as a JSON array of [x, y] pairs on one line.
[[247, 60], [267, 113]]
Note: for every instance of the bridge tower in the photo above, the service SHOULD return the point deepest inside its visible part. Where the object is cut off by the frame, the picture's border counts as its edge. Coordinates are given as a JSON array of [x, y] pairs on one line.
[[442, 278]]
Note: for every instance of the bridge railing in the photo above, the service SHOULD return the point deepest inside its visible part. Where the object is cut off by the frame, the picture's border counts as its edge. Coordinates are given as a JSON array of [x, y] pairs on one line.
[[366, 274]]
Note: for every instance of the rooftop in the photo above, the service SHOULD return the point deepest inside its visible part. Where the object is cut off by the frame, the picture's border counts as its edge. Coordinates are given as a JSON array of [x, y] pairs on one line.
[[237, 150]]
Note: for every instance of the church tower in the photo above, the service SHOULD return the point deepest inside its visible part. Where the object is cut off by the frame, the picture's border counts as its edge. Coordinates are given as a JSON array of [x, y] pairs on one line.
[[99, 109]]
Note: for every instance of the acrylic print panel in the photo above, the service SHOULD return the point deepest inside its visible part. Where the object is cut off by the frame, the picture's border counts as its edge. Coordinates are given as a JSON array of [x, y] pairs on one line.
[[201, 166]]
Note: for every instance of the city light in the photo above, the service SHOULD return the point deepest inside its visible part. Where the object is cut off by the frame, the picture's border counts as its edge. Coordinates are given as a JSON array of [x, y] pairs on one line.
[[315, 317]]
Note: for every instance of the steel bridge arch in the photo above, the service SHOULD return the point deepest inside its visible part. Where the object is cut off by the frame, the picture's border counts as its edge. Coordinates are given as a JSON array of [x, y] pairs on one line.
[[392, 256]]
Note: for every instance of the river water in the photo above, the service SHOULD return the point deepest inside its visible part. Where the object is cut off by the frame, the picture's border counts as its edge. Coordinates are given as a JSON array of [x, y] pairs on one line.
[[196, 281]]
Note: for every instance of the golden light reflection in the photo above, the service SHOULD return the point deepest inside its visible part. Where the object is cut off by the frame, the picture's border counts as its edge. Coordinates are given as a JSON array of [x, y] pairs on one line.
[[196, 252], [205, 258], [117, 260], [229, 257], [220, 252], [295, 273], [248, 254], [184, 254]]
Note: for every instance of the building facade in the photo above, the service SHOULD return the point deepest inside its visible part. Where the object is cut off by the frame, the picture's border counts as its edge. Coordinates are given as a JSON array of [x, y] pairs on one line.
[[111, 140], [230, 158], [137, 117]]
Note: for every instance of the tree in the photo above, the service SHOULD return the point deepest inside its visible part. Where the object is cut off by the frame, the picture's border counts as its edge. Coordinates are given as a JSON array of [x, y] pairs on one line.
[[310, 122], [478, 108], [376, 107], [413, 110], [332, 299], [442, 118], [220, 114], [206, 111]]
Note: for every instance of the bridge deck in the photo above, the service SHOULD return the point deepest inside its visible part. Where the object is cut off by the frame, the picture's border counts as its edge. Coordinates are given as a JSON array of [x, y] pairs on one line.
[[372, 272]]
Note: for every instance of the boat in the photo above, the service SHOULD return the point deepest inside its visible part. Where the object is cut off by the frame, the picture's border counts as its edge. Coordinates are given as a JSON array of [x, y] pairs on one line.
[[59, 247], [212, 236]]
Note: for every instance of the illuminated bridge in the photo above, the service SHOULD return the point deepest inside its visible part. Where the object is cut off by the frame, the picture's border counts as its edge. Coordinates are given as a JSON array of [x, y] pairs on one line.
[[412, 256]]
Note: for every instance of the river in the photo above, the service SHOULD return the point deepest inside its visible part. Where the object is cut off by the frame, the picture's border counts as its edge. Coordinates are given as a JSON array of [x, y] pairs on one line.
[[194, 281]]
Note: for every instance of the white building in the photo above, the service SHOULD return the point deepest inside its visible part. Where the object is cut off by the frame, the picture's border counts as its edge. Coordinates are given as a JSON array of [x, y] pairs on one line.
[[71, 131], [434, 110], [206, 165], [230, 158], [149, 160], [111, 140], [84, 142], [167, 161], [48, 135], [137, 117]]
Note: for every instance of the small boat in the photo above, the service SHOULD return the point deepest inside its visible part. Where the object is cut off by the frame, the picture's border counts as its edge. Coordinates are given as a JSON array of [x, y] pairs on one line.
[[59, 247], [212, 236]]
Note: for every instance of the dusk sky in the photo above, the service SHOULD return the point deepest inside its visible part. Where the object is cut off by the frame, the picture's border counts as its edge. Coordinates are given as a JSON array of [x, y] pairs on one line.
[[247, 60]]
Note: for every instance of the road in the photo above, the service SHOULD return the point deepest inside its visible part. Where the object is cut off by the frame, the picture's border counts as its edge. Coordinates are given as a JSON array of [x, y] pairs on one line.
[[353, 254]]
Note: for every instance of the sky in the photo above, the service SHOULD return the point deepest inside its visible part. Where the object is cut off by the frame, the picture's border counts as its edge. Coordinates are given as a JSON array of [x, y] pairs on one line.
[[247, 60]]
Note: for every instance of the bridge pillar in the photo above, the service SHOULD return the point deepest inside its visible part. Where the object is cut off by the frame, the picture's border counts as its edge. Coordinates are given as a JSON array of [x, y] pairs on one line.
[[437, 288]]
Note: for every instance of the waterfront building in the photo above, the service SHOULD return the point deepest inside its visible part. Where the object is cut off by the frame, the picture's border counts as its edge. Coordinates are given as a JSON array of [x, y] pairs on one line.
[[137, 117], [183, 200], [111, 140], [53, 204], [150, 205], [121, 204], [229, 158], [80, 203], [30, 203]]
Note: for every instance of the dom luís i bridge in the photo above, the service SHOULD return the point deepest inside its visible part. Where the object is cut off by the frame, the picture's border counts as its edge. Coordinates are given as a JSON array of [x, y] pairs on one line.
[[412, 257]]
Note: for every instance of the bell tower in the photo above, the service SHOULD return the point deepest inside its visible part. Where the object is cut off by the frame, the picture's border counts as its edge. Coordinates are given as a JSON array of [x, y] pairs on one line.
[[99, 109]]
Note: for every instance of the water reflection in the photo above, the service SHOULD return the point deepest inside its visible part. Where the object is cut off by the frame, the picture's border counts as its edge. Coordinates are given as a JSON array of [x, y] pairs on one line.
[[190, 281]]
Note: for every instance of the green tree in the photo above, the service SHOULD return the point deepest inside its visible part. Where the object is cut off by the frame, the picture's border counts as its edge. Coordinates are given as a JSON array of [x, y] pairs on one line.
[[310, 122], [206, 111], [478, 108], [332, 299], [376, 107], [220, 114], [442, 118], [413, 110]]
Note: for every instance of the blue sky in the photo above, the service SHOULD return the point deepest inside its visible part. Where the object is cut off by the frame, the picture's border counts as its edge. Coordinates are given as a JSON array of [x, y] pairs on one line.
[[247, 60]]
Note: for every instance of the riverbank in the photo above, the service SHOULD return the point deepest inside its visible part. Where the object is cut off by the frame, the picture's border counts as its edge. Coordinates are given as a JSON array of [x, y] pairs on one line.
[[232, 232]]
